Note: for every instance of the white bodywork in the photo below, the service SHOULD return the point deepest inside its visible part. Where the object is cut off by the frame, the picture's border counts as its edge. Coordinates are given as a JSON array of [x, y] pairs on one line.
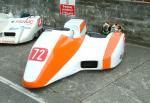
[[91, 50], [19, 30]]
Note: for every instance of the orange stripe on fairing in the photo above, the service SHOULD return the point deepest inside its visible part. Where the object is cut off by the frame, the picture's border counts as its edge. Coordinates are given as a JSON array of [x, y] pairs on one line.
[[110, 48], [64, 50], [82, 25]]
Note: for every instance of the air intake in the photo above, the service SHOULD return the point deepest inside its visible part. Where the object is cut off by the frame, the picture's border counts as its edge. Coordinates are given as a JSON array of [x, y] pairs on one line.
[[9, 34], [89, 64]]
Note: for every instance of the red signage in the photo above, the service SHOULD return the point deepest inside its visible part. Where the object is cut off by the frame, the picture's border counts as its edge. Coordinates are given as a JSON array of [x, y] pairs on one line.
[[67, 9], [38, 54]]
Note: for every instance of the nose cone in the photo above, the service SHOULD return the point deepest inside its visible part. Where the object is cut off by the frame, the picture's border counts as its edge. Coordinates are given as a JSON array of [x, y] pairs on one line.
[[32, 76], [35, 84], [36, 64], [29, 84], [41, 74]]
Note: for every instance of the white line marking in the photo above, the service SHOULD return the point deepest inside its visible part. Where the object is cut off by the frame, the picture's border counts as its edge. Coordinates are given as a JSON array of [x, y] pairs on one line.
[[22, 90]]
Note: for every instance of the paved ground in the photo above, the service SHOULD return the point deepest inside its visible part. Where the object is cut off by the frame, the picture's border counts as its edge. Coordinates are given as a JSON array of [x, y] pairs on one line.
[[127, 83]]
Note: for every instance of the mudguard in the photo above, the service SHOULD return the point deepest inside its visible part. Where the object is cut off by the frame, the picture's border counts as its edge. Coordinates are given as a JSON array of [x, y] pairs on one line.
[[60, 53]]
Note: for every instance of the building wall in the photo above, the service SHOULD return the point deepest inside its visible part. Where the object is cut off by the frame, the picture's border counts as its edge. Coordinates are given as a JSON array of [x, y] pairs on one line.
[[133, 15]]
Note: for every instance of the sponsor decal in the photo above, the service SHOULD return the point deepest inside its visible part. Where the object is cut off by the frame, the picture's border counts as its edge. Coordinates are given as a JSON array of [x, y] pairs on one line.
[[13, 28], [38, 54], [25, 27], [27, 21]]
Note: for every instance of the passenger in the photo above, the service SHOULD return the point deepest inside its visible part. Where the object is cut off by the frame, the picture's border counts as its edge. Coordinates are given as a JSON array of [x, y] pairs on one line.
[[106, 28], [116, 28]]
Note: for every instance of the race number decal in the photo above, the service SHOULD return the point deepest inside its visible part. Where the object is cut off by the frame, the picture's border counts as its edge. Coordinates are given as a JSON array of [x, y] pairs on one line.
[[38, 54], [39, 22]]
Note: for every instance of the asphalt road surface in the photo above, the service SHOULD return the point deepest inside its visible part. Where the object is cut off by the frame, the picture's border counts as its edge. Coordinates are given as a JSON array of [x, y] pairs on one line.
[[127, 83]]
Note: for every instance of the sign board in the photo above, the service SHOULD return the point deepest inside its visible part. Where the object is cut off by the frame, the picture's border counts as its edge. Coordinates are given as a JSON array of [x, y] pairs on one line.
[[67, 7]]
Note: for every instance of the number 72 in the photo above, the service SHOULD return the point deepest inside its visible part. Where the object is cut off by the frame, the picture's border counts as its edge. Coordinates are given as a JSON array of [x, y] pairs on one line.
[[38, 54]]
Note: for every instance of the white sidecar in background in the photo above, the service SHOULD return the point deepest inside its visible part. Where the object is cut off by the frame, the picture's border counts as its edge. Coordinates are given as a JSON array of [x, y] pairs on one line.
[[14, 30]]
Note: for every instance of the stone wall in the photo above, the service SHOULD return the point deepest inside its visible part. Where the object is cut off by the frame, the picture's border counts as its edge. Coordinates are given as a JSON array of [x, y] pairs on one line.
[[134, 16]]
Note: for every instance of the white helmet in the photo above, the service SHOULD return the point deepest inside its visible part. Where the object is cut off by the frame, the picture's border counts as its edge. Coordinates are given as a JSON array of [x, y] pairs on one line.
[[106, 28]]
